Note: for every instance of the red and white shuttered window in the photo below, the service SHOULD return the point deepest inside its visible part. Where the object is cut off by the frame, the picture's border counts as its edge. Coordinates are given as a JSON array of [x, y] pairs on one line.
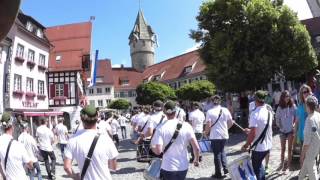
[[59, 90]]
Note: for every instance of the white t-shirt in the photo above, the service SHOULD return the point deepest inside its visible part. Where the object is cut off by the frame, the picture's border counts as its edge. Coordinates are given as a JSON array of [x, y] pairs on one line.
[[62, 133], [220, 129], [30, 144], [143, 121], [180, 114], [176, 157], [197, 119], [155, 118], [17, 156], [258, 120], [45, 138], [104, 127], [276, 97], [122, 121], [114, 126], [78, 148]]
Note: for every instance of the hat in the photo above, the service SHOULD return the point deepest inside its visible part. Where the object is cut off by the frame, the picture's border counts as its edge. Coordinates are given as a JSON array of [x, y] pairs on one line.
[[195, 104], [170, 107], [260, 95], [6, 120], [157, 105], [89, 110]]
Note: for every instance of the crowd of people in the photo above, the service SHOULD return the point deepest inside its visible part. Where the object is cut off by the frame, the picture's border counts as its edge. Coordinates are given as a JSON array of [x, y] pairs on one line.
[[166, 131]]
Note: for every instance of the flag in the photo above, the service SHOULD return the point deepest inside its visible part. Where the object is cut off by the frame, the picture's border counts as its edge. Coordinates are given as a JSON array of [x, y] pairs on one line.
[[94, 70]]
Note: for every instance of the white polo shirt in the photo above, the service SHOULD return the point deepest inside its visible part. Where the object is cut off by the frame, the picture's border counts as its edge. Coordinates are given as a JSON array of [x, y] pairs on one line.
[[143, 121], [45, 138], [155, 118], [114, 126], [176, 158], [62, 133], [78, 148], [180, 114], [17, 156], [197, 119], [122, 121], [220, 129], [104, 127], [30, 144], [258, 120]]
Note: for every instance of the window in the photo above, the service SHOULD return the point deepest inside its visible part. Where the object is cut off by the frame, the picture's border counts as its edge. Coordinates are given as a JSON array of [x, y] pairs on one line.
[[132, 94], [41, 87], [59, 89], [17, 82], [91, 102], [20, 51], [124, 82], [100, 103], [91, 91], [58, 59], [29, 26], [39, 33], [99, 90], [107, 90], [31, 55], [42, 59], [188, 69], [157, 77], [108, 101], [123, 94], [116, 94], [29, 85]]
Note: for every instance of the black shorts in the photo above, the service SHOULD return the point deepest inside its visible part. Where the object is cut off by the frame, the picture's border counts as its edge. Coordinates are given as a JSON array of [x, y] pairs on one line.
[[285, 135]]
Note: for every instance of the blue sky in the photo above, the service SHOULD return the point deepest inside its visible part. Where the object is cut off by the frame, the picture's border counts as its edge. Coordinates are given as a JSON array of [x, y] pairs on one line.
[[170, 19]]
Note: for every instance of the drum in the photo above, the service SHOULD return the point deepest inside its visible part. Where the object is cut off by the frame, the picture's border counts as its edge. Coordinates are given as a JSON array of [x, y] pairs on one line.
[[241, 169], [205, 145], [153, 171], [143, 152]]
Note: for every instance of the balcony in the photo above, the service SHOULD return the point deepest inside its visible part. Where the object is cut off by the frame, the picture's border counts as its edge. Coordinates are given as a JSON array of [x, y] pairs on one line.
[[41, 96], [30, 94], [17, 93], [19, 59], [31, 63], [42, 67]]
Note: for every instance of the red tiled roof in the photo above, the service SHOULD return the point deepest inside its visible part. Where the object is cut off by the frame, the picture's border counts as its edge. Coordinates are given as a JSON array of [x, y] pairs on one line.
[[312, 25], [71, 42], [174, 67], [104, 71], [134, 77]]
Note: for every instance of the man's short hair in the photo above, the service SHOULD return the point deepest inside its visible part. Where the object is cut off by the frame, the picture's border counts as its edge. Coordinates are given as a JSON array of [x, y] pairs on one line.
[[312, 102], [216, 99]]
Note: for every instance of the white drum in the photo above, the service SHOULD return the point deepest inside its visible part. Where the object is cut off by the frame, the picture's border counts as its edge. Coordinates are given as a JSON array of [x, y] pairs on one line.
[[241, 169]]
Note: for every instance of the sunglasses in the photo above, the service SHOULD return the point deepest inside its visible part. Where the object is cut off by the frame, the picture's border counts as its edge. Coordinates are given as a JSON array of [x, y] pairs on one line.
[[305, 92]]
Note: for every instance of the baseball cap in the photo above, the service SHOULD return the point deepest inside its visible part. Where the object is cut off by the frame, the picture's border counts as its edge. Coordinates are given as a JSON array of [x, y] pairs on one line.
[[89, 110], [260, 95], [157, 105], [6, 120], [170, 107]]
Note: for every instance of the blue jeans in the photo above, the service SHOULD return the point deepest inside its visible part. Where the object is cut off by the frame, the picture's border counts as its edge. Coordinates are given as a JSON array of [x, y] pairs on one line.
[[31, 173], [62, 146], [220, 157], [257, 158], [173, 175]]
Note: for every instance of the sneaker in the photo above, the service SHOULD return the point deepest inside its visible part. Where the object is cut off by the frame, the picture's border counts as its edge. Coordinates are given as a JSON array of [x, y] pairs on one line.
[[216, 176], [226, 171], [267, 170]]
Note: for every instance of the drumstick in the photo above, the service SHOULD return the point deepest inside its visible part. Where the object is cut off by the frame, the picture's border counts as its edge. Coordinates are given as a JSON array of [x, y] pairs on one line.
[[238, 126]]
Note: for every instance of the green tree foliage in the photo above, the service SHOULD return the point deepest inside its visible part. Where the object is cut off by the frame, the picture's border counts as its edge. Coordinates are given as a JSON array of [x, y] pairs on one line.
[[149, 92], [119, 104], [246, 42], [196, 91]]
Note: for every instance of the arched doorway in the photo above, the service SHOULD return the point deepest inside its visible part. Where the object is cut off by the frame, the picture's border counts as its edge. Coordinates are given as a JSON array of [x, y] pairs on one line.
[[66, 121]]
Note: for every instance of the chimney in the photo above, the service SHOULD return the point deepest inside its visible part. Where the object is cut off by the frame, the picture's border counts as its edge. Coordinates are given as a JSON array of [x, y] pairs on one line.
[[122, 66]]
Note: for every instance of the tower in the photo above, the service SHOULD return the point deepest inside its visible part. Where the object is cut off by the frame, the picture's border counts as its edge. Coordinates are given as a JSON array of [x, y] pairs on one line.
[[142, 41], [314, 6]]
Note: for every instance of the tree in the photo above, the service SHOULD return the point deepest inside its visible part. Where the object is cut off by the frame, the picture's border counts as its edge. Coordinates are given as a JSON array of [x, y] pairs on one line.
[[119, 104], [246, 42], [196, 91], [149, 92]]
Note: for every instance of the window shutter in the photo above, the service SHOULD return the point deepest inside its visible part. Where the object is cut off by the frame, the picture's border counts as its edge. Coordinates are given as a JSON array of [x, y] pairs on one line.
[[52, 90], [66, 90]]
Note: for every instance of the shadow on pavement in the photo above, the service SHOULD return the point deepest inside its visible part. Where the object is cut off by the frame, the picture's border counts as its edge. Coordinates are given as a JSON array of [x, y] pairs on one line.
[[236, 139], [128, 170], [126, 159]]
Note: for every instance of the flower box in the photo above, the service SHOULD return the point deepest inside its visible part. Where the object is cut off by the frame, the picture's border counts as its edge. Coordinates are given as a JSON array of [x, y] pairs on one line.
[[41, 96], [60, 98], [31, 63], [19, 59], [17, 93], [30, 94], [42, 67]]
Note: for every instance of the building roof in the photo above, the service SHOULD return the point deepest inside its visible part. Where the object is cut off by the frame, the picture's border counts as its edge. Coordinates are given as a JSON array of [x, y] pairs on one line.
[[71, 42], [104, 71], [141, 30], [312, 25], [174, 68], [133, 76]]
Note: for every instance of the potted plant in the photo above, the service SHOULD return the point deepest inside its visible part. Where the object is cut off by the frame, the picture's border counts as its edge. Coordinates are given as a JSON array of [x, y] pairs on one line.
[[30, 94], [18, 93], [31, 63], [19, 59], [41, 96]]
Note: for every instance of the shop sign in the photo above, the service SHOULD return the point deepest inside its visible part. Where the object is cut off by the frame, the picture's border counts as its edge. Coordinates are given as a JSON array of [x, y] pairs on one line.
[[29, 104]]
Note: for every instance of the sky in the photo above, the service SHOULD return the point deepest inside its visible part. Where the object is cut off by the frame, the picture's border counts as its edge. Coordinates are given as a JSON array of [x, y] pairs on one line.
[[172, 21]]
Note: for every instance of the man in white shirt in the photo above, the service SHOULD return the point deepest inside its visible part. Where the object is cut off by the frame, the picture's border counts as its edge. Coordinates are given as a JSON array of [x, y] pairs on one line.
[[218, 121], [104, 127], [46, 139], [115, 126], [175, 160], [196, 118], [123, 125], [31, 146], [62, 134], [143, 120], [180, 113], [12, 169], [259, 134], [156, 118], [104, 154]]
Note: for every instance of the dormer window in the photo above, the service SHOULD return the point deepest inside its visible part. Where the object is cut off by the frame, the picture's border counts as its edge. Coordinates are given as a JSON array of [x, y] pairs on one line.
[[145, 80], [29, 26], [124, 82], [157, 77], [58, 59], [188, 69], [39, 33]]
